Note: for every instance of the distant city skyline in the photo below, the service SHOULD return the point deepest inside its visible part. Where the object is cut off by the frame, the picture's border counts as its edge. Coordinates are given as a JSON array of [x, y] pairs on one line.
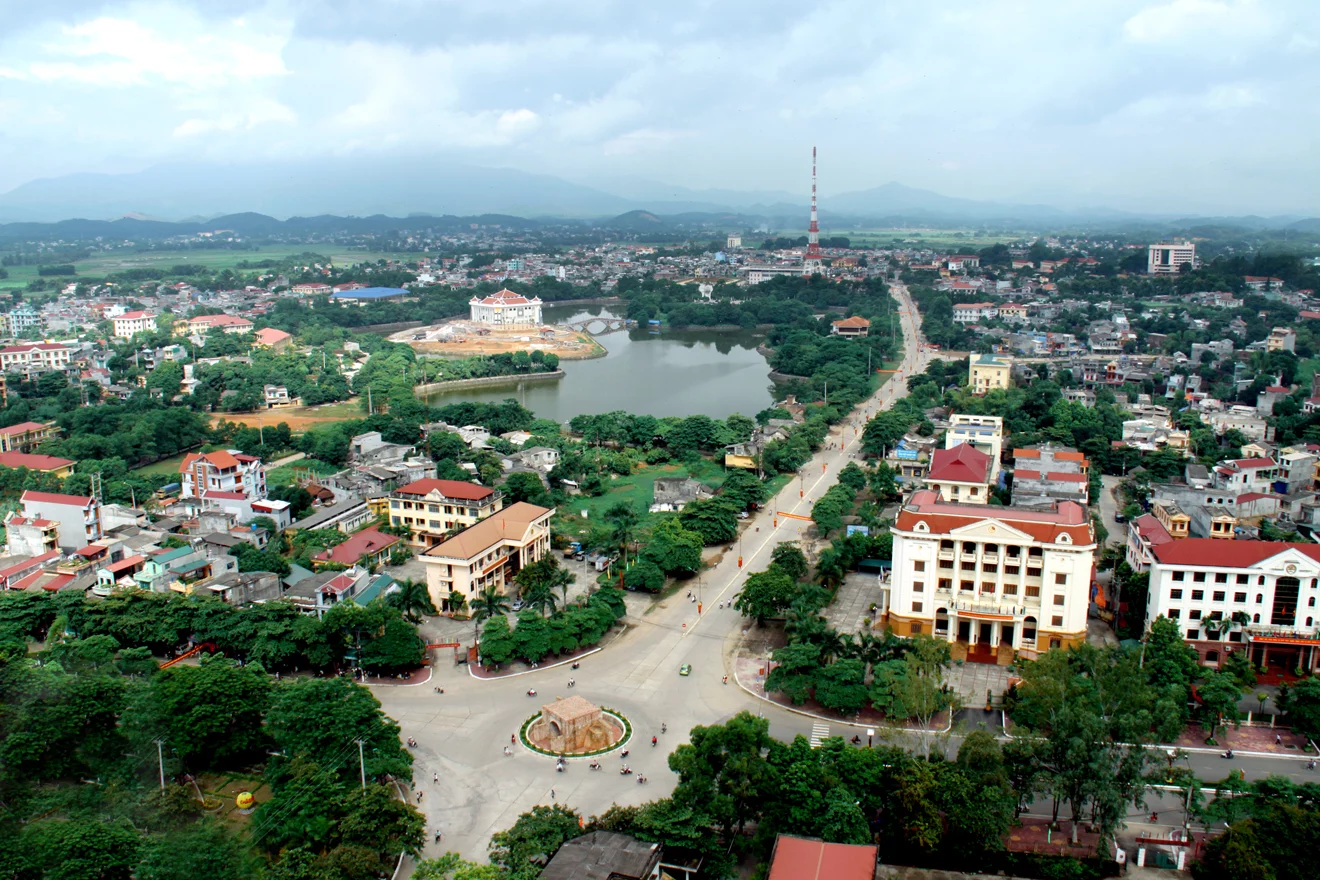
[[1167, 106]]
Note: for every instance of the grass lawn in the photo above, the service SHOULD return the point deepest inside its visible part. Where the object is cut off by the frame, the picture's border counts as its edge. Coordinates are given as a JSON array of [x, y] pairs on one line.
[[1305, 370], [168, 466], [285, 475]]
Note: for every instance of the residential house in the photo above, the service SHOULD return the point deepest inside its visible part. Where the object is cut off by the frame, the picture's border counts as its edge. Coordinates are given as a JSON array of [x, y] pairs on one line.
[[203, 324], [1047, 473], [542, 458], [674, 493], [346, 516], [806, 858], [1246, 475], [488, 554], [31, 536], [269, 337], [1144, 534], [986, 433], [77, 517], [972, 313], [1281, 339], [371, 449], [854, 326], [991, 580], [604, 855], [960, 474], [217, 476], [987, 372], [243, 588], [366, 548], [431, 509], [277, 395]]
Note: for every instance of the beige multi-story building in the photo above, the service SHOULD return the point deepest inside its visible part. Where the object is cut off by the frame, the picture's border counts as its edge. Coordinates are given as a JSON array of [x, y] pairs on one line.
[[985, 433], [986, 373], [34, 357], [432, 508], [1166, 259], [991, 580], [488, 554]]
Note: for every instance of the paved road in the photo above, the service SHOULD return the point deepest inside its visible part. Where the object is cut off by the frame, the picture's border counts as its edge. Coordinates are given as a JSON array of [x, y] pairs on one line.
[[461, 733], [1109, 507]]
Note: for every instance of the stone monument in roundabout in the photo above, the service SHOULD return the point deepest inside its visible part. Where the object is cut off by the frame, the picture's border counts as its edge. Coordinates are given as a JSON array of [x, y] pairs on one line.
[[574, 726]]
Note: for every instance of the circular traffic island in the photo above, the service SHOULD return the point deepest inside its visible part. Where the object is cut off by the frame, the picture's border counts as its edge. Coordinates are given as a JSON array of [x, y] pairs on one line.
[[574, 727]]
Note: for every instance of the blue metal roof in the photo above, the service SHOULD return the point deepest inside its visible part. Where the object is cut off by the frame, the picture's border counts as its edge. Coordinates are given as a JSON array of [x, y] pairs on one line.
[[370, 293]]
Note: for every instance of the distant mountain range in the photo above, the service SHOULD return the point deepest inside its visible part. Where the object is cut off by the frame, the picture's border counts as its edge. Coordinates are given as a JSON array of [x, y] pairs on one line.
[[326, 191]]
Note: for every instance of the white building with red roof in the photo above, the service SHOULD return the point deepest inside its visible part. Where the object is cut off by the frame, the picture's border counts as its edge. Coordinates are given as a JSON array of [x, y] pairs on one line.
[[432, 509], [1145, 533], [223, 476], [1240, 475], [77, 517], [203, 324], [1254, 596], [131, 323], [504, 308], [960, 474], [854, 326], [993, 581], [30, 358]]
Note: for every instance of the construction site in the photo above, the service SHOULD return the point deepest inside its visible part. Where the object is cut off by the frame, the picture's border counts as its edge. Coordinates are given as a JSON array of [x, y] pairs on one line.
[[465, 338]]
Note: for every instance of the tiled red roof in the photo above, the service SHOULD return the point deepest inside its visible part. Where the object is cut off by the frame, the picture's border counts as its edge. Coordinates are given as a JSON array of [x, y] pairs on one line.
[[358, 545], [505, 297], [224, 496], [1045, 526], [801, 858], [56, 498], [963, 463], [448, 488], [1253, 496], [1244, 464], [1150, 528], [33, 462], [1228, 554], [22, 428], [854, 321], [219, 458]]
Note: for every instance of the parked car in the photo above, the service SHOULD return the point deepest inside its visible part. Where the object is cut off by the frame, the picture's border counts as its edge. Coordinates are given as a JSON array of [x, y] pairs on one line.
[[517, 605]]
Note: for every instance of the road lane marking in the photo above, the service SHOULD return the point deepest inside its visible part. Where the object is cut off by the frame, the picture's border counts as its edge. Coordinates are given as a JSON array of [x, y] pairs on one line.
[[819, 732]]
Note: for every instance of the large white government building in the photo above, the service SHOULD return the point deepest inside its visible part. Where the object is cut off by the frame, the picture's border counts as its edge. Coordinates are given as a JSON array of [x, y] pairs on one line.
[[993, 581], [1253, 596], [505, 308]]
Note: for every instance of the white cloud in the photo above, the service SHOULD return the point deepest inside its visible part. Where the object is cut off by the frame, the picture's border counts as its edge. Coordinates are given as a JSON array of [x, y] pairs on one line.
[[262, 112], [1186, 20]]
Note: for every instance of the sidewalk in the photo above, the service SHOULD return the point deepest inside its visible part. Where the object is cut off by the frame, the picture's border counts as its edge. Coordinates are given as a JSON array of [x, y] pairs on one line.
[[1246, 739]]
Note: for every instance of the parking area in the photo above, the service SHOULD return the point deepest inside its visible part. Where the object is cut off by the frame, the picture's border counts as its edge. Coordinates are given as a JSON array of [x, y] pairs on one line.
[[853, 603]]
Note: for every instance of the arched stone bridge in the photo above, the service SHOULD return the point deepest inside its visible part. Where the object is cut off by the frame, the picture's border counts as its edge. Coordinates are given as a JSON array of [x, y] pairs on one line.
[[605, 325]]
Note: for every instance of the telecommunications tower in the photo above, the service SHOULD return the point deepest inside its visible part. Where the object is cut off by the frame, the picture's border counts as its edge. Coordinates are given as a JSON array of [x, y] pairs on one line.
[[811, 261]]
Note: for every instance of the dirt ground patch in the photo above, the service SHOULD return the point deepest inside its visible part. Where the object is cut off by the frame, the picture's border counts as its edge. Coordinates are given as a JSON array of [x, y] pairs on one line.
[[298, 418], [464, 339]]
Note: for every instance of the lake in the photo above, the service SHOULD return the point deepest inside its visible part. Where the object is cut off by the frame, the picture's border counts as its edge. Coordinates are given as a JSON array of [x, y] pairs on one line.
[[669, 373]]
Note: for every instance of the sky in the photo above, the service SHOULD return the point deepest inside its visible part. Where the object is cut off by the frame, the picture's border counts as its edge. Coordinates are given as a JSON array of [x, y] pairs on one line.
[[1152, 105]]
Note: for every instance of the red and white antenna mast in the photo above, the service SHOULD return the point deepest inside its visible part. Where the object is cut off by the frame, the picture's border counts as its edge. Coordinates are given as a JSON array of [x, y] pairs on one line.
[[813, 231]]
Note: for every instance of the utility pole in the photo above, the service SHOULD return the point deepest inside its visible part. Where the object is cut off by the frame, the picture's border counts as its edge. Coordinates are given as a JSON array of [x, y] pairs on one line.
[[362, 765], [160, 758]]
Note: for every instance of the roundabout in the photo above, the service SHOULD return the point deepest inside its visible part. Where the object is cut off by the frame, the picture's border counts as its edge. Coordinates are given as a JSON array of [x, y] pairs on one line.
[[574, 728]]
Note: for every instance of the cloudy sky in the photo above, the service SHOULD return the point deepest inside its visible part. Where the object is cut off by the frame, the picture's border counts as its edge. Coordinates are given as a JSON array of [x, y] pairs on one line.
[[1165, 105]]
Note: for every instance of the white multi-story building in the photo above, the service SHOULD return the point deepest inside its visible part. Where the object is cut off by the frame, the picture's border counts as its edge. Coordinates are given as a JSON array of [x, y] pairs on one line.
[[130, 323], [78, 517], [504, 308], [993, 580], [223, 471], [1254, 596], [986, 433], [22, 318], [970, 313], [1165, 259], [34, 357]]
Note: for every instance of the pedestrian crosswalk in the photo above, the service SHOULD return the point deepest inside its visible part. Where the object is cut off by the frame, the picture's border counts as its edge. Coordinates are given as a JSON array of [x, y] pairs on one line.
[[819, 732]]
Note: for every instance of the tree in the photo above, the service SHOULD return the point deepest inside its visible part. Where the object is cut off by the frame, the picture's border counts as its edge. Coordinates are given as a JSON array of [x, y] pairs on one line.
[[1219, 694], [211, 714], [882, 432], [789, 558], [531, 637], [883, 483], [644, 576], [766, 594], [623, 520], [1301, 702], [491, 603], [412, 598], [743, 489], [203, 850], [497, 645], [721, 772], [714, 519], [77, 849], [320, 717], [539, 581], [839, 686], [538, 834], [525, 486], [673, 549]]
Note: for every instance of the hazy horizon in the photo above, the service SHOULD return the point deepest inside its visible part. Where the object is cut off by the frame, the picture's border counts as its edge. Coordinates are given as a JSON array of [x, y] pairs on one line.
[[1182, 106]]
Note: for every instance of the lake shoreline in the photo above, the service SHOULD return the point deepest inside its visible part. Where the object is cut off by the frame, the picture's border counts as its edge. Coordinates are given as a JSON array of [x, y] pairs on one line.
[[428, 388]]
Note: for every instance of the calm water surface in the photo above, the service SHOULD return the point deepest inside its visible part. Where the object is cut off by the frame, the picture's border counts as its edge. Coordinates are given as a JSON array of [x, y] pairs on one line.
[[670, 373]]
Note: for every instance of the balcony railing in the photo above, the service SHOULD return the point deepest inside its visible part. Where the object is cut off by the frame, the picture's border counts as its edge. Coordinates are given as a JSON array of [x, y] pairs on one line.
[[1257, 630]]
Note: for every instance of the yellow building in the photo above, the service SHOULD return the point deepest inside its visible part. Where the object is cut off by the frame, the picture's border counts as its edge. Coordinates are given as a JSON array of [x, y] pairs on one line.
[[433, 508], [43, 464], [489, 554], [987, 372], [1171, 516]]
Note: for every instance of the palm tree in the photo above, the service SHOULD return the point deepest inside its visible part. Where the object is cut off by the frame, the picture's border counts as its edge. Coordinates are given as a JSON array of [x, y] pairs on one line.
[[456, 602], [625, 521], [487, 605], [413, 599], [540, 597]]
